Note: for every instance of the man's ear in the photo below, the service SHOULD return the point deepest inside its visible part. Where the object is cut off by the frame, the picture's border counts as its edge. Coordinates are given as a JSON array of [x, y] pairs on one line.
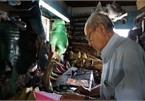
[[102, 29]]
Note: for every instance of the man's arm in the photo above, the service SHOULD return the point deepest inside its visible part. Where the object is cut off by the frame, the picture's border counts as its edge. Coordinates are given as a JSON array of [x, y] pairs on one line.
[[131, 86]]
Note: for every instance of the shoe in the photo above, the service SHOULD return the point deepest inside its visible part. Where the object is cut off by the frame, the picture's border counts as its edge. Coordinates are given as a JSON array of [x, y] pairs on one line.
[[59, 67], [67, 65], [79, 63], [56, 70], [88, 63], [20, 24], [4, 16], [31, 95], [25, 93], [53, 74], [33, 67], [97, 76], [98, 67], [70, 55], [84, 56], [77, 55]]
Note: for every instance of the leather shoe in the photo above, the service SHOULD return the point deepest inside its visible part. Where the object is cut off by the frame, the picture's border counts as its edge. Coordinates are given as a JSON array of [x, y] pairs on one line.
[[56, 70], [60, 68]]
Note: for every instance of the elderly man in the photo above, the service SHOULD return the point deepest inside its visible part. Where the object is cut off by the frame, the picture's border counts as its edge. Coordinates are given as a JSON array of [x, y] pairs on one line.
[[123, 74]]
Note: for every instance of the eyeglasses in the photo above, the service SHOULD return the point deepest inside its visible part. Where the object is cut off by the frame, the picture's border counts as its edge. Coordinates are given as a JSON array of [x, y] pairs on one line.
[[89, 35]]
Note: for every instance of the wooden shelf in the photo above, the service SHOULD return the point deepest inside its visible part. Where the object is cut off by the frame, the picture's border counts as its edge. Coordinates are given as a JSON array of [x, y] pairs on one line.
[[80, 41], [78, 35], [78, 30], [78, 22], [78, 25], [85, 15]]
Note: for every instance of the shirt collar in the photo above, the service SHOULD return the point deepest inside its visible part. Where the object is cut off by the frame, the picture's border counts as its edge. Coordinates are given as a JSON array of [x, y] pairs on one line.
[[106, 51]]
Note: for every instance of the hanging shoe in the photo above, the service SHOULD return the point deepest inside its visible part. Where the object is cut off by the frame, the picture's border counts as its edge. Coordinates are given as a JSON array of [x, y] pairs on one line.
[[99, 9], [115, 12], [77, 55]]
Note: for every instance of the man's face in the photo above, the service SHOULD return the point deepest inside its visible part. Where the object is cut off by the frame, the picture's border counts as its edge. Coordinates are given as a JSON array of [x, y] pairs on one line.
[[95, 37]]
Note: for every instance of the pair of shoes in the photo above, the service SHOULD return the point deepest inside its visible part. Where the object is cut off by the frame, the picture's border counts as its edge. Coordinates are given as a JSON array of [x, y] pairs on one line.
[[27, 93]]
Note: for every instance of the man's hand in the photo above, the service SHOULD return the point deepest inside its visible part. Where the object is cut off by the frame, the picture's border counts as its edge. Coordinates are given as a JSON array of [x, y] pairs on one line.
[[95, 91], [82, 90], [72, 96]]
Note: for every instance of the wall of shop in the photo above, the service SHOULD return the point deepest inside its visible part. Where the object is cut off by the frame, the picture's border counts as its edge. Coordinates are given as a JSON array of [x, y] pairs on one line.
[[131, 10]]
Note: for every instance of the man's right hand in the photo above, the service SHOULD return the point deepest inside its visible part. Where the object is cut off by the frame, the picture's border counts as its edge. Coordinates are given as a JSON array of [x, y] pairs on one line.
[[82, 90]]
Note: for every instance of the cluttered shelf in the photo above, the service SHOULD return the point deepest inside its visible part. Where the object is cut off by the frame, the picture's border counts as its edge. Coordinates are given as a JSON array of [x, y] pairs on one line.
[[78, 23], [81, 15]]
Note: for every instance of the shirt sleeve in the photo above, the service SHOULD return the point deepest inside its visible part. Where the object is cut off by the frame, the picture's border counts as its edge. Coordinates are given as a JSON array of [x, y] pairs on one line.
[[131, 86]]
